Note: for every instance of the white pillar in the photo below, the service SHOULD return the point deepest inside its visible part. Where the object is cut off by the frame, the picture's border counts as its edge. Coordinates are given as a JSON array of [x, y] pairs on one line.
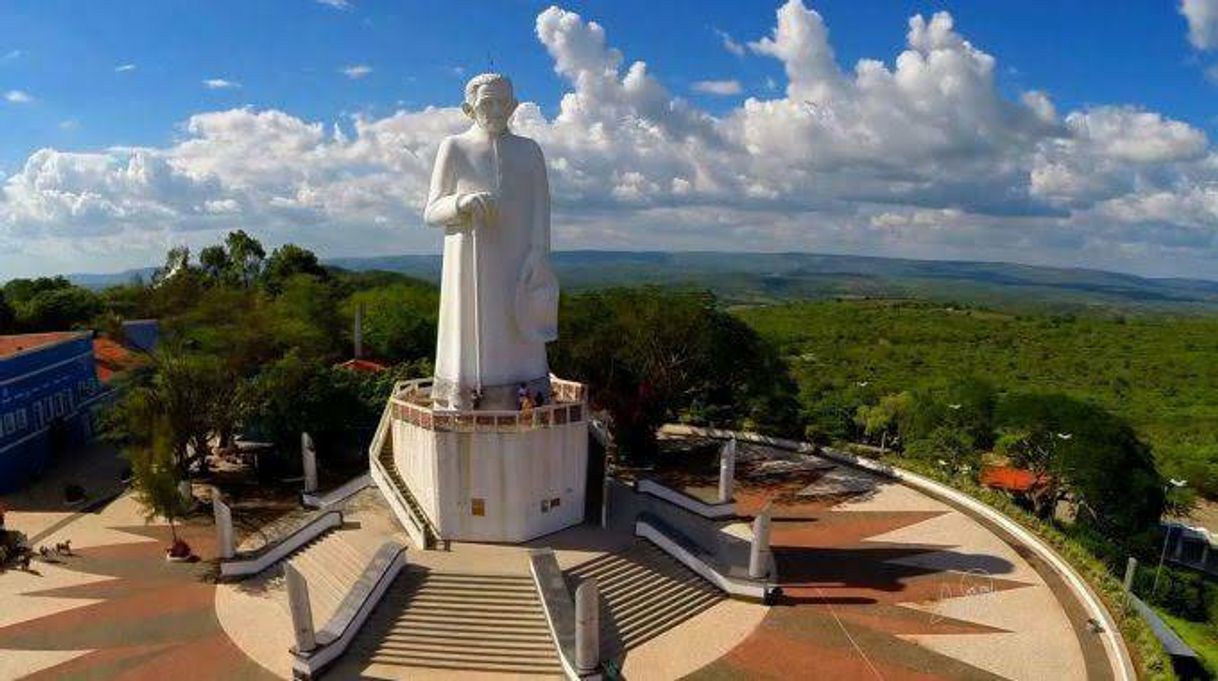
[[186, 490], [302, 612], [587, 627], [309, 454], [759, 551], [1131, 569], [727, 471], [224, 524]]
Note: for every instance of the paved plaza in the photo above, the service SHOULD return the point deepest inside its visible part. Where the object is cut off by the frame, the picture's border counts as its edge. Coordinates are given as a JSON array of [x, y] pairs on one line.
[[880, 581]]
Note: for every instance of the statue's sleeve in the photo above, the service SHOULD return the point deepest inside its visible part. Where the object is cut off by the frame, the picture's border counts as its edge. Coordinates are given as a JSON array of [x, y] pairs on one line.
[[441, 210], [541, 202]]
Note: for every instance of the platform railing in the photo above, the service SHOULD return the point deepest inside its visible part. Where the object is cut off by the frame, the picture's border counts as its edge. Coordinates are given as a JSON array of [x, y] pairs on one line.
[[411, 403]]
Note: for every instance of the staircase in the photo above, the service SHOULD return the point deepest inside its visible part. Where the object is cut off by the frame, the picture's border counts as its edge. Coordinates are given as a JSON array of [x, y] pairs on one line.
[[382, 449], [455, 621], [644, 593], [332, 565]]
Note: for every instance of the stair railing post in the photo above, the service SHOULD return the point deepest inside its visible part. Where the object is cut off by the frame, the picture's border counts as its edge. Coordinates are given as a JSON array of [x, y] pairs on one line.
[[309, 455], [727, 471], [759, 550], [587, 627], [302, 611], [224, 524]]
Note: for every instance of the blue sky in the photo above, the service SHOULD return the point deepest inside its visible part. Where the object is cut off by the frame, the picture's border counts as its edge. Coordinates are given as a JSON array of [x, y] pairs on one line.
[[89, 82], [288, 55]]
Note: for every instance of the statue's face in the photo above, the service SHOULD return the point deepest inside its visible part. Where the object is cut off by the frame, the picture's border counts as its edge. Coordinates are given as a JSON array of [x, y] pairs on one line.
[[492, 107]]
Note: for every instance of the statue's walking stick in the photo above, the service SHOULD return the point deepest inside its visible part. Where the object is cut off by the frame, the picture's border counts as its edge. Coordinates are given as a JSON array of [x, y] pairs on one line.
[[477, 314]]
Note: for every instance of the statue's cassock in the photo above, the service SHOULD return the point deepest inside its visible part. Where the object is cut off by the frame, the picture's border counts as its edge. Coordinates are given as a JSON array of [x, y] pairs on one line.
[[498, 294]]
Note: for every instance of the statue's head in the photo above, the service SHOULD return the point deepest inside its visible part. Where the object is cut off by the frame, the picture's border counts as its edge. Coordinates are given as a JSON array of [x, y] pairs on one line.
[[489, 100]]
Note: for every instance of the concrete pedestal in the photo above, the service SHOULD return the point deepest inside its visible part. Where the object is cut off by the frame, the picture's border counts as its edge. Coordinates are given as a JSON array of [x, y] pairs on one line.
[[494, 476]]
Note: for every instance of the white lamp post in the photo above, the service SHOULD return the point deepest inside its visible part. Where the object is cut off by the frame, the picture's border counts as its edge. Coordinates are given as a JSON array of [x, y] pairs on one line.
[[1178, 484]]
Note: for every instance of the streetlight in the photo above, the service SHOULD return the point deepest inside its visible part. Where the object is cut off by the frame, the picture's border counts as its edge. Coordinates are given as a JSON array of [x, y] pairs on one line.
[[1154, 589]]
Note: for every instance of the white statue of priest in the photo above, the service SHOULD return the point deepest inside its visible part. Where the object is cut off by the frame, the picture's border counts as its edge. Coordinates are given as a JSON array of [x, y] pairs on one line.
[[498, 294]]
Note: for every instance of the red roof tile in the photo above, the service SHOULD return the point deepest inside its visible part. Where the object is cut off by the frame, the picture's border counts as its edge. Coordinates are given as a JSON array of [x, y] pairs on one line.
[[11, 345], [112, 358], [1011, 479], [364, 366]]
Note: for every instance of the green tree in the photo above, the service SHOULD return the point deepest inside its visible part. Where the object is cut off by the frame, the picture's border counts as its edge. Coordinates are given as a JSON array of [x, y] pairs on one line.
[[1091, 458], [399, 319], [295, 394], [289, 261], [652, 355], [20, 291], [59, 309], [183, 399], [951, 444], [8, 318], [245, 254], [46, 304], [155, 477], [305, 316], [881, 422], [216, 264], [177, 262]]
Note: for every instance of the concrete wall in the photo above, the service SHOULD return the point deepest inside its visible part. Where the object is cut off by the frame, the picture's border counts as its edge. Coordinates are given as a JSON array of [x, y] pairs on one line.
[[516, 474], [45, 400]]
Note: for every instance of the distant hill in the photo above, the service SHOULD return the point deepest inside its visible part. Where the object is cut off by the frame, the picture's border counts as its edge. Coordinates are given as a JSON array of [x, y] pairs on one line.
[[98, 281], [746, 278], [755, 278]]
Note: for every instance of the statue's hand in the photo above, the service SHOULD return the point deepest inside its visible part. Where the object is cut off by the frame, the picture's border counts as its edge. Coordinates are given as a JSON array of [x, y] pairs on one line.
[[477, 205]]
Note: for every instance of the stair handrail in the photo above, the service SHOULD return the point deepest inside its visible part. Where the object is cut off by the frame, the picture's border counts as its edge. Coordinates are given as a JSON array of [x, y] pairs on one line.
[[251, 562], [385, 481], [338, 632], [688, 552]]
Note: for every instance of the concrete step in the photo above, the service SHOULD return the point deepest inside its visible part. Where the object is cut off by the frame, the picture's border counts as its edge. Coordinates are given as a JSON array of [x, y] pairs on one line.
[[455, 621], [330, 565], [644, 593]]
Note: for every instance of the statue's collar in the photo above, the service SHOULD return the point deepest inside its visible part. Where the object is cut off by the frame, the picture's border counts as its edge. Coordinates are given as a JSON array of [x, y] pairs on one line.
[[477, 131]]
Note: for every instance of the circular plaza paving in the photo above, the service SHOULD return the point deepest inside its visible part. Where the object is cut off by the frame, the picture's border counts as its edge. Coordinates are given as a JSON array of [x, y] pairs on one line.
[[879, 582]]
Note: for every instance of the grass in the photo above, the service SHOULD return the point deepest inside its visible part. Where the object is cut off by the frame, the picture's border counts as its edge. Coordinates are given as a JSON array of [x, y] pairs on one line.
[[1202, 637]]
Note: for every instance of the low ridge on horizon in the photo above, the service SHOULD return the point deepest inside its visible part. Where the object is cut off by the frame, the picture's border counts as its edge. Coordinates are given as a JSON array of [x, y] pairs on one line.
[[757, 277]]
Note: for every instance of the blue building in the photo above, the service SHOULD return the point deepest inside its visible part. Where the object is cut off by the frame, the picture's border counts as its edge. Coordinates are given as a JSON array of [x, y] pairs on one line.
[[141, 334], [49, 396]]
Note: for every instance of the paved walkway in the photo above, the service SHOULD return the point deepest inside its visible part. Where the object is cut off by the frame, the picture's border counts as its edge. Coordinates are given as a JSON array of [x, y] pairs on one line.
[[115, 608], [881, 582]]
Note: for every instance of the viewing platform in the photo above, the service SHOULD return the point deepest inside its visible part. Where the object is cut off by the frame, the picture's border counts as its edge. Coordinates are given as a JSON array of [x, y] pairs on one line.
[[482, 475], [412, 403]]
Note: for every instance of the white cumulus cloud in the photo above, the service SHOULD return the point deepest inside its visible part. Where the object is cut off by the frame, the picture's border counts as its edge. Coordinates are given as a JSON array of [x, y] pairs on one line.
[[220, 84], [716, 87], [356, 71], [916, 153], [124, 68], [18, 97], [1202, 17], [729, 43]]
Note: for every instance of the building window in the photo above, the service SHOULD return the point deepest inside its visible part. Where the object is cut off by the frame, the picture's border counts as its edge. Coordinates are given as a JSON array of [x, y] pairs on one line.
[[38, 417], [477, 506], [22, 424], [10, 423]]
